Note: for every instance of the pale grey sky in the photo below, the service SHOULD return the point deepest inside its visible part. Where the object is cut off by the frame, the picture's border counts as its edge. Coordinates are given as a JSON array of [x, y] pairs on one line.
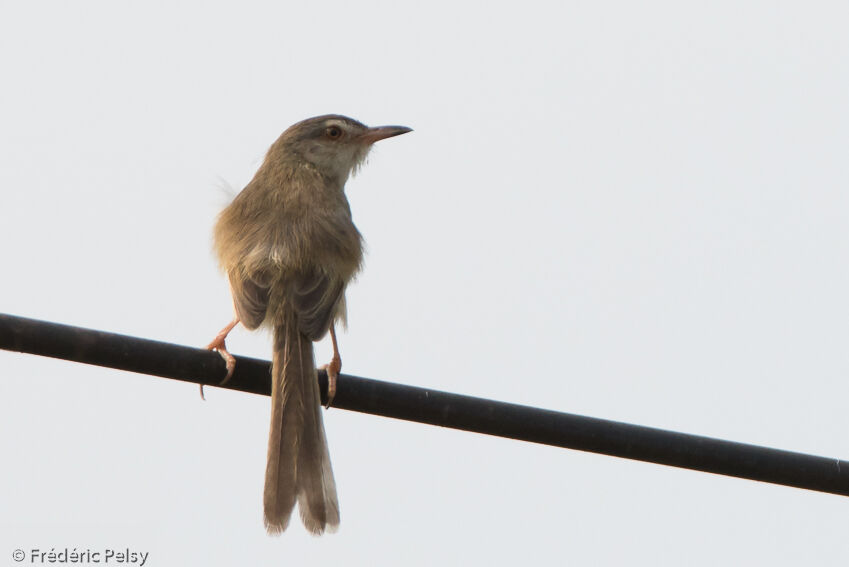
[[635, 211]]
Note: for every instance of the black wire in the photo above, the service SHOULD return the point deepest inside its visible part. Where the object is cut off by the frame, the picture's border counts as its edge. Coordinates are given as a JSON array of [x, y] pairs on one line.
[[437, 408]]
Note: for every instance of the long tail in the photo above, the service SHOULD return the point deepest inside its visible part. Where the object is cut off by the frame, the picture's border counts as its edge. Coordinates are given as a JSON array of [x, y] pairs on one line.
[[298, 461]]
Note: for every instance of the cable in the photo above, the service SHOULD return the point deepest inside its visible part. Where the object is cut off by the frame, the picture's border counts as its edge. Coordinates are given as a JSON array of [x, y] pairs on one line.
[[437, 408]]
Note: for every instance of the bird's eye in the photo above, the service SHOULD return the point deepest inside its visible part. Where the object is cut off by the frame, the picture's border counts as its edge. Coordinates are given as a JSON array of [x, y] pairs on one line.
[[334, 132]]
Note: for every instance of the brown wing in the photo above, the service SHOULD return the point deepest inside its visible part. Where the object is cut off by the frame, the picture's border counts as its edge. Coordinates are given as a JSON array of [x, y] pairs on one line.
[[316, 297], [250, 297]]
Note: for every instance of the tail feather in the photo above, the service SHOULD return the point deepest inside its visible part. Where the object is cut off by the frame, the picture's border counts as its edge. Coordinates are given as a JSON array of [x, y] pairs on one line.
[[316, 488], [298, 466]]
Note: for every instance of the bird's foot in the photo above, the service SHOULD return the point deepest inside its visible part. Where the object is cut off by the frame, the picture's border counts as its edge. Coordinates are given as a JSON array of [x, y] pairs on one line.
[[219, 346], [333, 368]]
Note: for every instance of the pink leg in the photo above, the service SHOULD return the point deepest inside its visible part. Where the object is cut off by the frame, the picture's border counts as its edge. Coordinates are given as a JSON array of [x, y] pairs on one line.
[[333, 368], [220, 347]]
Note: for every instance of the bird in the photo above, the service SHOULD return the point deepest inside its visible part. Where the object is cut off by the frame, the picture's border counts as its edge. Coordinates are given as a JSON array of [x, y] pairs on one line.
[[289, 248]]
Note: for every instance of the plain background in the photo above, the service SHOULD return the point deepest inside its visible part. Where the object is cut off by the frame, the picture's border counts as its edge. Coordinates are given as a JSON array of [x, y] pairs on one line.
[[635, 211]]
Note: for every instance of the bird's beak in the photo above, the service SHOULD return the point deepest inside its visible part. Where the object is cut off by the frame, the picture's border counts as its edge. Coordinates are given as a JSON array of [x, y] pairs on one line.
[[372, 135]]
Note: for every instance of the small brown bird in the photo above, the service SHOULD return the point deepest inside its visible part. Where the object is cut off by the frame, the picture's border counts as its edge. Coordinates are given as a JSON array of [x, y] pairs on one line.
[[289, 248]]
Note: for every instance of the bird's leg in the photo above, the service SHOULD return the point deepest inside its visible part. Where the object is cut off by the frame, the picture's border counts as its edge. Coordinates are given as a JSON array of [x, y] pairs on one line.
[[220, 347], [333, 368]]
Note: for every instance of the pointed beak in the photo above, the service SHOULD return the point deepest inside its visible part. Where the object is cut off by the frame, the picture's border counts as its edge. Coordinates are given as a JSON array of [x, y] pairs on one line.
[[372, 135]]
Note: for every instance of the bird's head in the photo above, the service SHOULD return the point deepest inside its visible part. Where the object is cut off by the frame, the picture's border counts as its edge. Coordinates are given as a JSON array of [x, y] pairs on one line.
[[335, 145]]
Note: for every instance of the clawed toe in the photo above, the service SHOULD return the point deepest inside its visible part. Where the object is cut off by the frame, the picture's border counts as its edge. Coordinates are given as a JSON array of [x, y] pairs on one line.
[[332, 370], [219, 346]]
